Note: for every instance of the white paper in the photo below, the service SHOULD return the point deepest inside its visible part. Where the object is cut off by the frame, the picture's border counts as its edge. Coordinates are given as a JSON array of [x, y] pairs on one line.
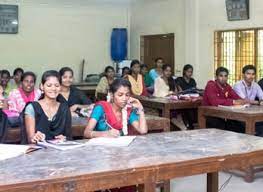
[[123, 141], [9, 151], [66, 145], [234, 106]]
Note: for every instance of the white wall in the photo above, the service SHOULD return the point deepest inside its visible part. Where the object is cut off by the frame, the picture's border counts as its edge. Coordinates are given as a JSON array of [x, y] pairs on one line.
[[203, 18], [150, 17], [56, 33]]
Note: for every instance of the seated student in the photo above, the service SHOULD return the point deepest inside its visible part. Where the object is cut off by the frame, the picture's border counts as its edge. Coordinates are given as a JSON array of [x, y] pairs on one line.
[[111, 119], [106, 81], [147, 79], [125, 72], [219, 92], [157, 72], [136, 79], [5, 77], [3, 117], [16, 80], [48, 118], [247, 88], [186, 82], [165, 85], [18, 98], [74, 97]]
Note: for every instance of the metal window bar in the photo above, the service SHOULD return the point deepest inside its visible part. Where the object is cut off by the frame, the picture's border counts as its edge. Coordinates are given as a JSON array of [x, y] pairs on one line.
[[236, 48]]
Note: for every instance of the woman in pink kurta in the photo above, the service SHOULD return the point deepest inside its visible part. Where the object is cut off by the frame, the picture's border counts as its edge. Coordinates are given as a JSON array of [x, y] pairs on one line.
[[18, 98]]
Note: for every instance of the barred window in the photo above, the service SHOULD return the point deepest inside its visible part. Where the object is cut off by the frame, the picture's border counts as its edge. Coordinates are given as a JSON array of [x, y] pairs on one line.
[[236, 48]]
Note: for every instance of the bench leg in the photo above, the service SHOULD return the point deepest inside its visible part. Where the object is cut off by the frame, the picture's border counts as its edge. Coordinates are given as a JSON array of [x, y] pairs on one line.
[[212, 182], [249, 177]]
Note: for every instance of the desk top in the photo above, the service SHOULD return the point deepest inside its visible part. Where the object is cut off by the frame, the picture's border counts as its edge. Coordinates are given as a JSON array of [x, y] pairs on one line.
[[251, 110], [144, 152], [164, 100]]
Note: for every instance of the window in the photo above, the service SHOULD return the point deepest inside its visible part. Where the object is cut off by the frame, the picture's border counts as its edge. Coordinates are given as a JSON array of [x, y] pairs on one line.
[[236, 48]]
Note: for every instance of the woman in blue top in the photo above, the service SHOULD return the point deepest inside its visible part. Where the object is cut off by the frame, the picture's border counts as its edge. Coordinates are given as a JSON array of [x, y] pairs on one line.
[[113, 119], [157, 72]]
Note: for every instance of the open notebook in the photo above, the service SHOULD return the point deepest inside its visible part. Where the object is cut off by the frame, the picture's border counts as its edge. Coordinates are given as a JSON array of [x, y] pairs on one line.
[[123, 141], [9, 151], [60, 145]]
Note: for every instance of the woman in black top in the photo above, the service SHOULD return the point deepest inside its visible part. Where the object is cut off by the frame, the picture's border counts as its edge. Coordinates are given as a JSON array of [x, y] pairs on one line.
[[47, 118], [74, 97], [186, 82]]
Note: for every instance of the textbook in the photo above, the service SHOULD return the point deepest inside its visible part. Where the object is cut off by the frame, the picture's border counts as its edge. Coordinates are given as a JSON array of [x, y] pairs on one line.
[[8, 151], [60, 145], [122, 141]]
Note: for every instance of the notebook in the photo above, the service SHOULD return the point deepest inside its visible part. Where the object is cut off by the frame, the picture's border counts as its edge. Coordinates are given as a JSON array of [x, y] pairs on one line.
[[8, 151], [123, 141], [60, 145]]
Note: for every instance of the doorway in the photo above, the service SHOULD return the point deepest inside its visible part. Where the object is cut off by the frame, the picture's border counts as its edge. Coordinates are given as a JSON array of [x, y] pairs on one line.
[[153, 46]]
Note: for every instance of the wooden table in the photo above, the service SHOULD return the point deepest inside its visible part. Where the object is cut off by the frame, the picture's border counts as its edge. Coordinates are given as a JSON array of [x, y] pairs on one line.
[[148, 159], [166, 105], [88, 89], [250, 116], [78, 125]]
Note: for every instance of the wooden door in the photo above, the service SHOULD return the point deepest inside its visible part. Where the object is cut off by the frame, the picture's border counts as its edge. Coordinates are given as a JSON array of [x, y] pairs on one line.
[[153, 46]]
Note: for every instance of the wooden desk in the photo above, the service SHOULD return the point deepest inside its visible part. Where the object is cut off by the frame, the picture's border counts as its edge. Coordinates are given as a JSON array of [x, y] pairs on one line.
[[250, 116], [148, 159], [166, 105], [78, 125], [88, 89]]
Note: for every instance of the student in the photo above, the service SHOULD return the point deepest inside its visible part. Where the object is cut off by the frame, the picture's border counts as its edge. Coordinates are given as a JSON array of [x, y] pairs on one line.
[[165, 85], [136, 79], [106, 81], [112, 119], [16, 80], [147, 79], [48, 118], [186, 82], [5, 77], [18, 98], [247, 88], [157, 72], [74, 97], [219, 92], [125, 72]]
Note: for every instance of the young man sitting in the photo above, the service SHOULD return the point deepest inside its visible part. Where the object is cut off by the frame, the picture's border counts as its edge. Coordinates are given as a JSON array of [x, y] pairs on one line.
[[219, 92], [250, 90]]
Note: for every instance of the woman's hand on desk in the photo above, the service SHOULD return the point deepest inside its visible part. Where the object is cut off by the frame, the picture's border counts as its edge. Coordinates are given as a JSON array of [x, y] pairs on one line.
[[39, 136], [113, 133]]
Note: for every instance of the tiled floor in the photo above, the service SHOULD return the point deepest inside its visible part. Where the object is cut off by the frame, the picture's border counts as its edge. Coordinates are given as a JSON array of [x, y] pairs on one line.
[[198, 184]]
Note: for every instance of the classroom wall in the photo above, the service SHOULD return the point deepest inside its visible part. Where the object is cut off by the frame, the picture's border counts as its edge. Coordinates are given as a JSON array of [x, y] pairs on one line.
[[203, 18], [57, 33], [194, 23], [149, 17]]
